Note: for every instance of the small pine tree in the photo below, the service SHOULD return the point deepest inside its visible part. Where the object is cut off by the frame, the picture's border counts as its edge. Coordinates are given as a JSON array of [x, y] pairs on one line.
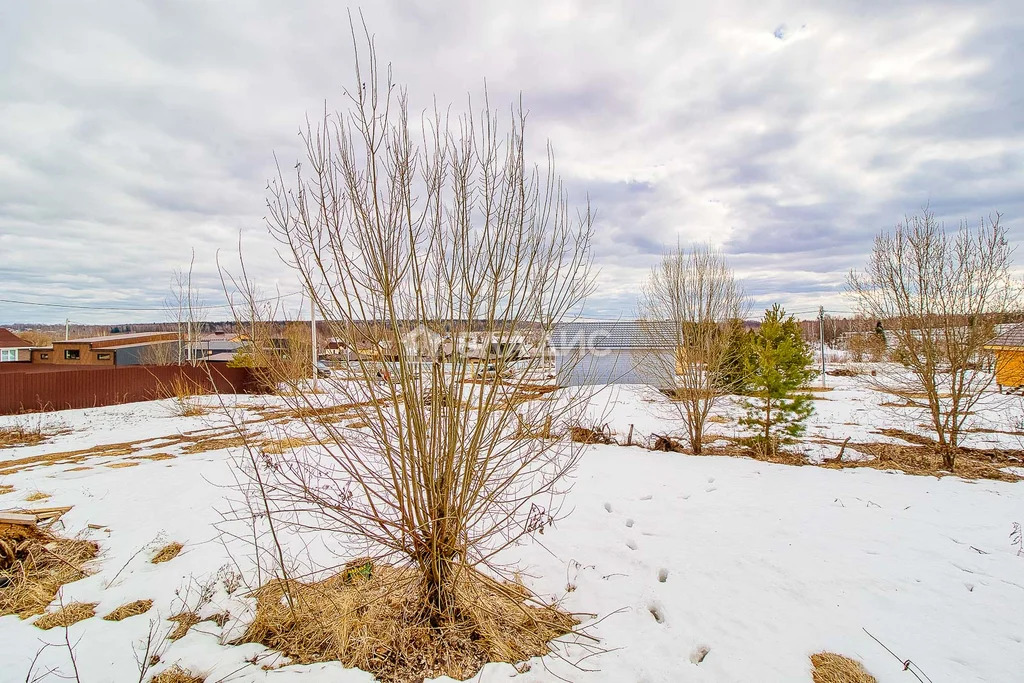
[[778, 363]]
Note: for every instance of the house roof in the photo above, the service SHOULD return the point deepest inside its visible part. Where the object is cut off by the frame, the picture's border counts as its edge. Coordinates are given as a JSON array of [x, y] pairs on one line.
[[9, 340], [1014, 337], [617, 334], [118, 340]]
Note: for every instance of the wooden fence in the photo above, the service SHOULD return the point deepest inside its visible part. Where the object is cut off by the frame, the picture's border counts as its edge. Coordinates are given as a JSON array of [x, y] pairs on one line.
[[35, 387]]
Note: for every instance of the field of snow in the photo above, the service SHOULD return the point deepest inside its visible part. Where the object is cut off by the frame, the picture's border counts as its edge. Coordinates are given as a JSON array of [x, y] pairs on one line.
[[757, 565]]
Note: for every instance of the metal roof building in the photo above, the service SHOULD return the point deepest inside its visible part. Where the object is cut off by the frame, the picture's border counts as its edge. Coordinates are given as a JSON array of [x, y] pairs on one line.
[[610, 352]]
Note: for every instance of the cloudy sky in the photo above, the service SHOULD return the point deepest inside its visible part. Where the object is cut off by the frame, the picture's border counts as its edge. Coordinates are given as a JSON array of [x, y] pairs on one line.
[[786, 133]]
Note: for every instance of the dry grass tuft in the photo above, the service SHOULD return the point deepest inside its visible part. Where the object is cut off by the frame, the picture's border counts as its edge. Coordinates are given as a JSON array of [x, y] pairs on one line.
[[177, 675], [926, 460], [131, 609], [122, 463], [719, 419], [154, 456], [215, 443], [66, 615], [167, 553], [374, 620], [832, 668], [5, 488], [288, 443], [185, 621], [34, 565], [29, 433], [36, 495]]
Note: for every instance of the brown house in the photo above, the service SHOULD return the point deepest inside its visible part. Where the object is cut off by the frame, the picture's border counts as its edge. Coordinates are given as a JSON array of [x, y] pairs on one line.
[[117, 349], [12, 347]]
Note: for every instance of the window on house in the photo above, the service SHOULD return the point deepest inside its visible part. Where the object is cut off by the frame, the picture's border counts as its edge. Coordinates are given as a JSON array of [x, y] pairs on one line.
[[7, 355], [71, 354], [102, 356], [44, 356]]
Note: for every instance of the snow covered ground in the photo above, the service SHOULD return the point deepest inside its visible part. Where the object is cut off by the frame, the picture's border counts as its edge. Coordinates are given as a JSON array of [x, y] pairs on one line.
[[757, 564]]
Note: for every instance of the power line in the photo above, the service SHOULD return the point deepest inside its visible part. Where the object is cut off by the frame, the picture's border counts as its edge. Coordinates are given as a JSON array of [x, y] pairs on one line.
[[133, 308]]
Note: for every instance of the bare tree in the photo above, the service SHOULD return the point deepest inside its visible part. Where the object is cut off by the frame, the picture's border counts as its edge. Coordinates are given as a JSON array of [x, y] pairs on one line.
[[939, 294], [443, 223], [186, 308], [687, 307]]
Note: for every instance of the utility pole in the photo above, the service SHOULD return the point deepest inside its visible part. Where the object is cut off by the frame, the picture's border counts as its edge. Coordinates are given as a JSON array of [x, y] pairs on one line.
[[312, 335], [821, 337], [67, 328]]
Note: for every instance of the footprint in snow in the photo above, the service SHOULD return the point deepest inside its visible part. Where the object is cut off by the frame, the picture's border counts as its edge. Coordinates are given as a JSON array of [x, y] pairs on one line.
[[647, 497], [699, 654], [662, 575], [629, 524], [710, 489], [607, 507], [631, 544], [656, 612], [711, 480]]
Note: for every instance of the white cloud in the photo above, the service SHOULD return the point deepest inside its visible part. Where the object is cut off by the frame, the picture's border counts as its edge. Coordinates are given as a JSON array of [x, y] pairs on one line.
[[132, 134]]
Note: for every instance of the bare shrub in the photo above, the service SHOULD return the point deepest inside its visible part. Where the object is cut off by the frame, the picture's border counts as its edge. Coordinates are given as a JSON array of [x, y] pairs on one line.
[[394, 228]]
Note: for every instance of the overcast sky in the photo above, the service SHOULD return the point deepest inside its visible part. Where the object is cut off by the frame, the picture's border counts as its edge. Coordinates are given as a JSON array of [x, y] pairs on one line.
[[786, 133]]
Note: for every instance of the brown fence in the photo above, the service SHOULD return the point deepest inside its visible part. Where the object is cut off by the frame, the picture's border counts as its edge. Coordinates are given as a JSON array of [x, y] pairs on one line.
[[28, 388]]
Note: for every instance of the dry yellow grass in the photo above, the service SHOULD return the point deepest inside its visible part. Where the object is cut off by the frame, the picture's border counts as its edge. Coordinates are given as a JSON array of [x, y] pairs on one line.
[[283, 445], [925, 458], [130, 609], [120, 464], [719, 419], [68, 457], [829, 667], [184, 621], [36, 495], [196, 441], [176, 674], [374, 620], [167, 553], [66, 615], [154, 456], [215, 443], [26, 433], [5, 488], [34, 565]]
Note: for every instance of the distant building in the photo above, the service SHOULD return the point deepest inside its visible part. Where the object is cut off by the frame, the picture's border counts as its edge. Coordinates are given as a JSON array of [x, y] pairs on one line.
[[421, 342], [140, 348], [13, 348], [217, 346], [1008, 348], [588, 353]]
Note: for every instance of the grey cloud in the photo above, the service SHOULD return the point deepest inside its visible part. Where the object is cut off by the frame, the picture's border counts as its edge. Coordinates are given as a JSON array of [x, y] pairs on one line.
[[133, 133]]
